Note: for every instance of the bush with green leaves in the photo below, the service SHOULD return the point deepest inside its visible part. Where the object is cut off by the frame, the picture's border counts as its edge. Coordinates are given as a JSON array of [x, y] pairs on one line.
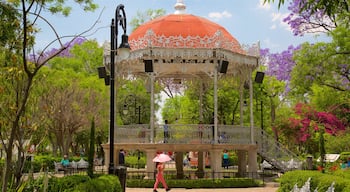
[[75, 183], [104, 183], [344, 156], [134, 162], [319, 181]]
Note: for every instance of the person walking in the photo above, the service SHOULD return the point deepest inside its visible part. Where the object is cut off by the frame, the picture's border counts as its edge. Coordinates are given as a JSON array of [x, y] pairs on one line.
[[160, 177], [166, 131]]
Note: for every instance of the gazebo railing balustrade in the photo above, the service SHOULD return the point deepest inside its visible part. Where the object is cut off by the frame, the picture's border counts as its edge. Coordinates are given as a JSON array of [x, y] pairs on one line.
[[183, 134]]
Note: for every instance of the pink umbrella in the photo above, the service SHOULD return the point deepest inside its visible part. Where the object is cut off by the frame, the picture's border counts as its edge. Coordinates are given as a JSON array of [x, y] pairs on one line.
[[161, 158]]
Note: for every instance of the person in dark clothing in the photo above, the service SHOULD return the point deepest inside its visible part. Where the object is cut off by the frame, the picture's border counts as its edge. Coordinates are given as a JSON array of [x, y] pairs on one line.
[[166, 131], [121, 157]]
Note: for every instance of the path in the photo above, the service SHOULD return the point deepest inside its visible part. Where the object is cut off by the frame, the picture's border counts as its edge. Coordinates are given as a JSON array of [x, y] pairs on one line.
[[270, 187]]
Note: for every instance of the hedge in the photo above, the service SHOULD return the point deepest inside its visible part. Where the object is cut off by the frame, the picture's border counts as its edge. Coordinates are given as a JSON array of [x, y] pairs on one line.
[[319, 181], [76, 183]]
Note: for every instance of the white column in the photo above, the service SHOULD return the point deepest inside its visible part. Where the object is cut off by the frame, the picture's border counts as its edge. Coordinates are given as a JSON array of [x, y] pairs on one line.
[[215, 162], [241, 104], [215, 106], [150, 154], [252, 141], [106, 151], [242, 162], [152, 108], [252, 160]]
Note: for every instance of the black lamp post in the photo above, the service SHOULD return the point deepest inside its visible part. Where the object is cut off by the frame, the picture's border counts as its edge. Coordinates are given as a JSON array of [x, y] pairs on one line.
[[120, 18], [123, 51], [259, 77]]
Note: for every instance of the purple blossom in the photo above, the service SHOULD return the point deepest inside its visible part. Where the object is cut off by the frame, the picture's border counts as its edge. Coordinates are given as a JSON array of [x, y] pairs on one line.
[[39, 58], [311, 20], [279, 65]]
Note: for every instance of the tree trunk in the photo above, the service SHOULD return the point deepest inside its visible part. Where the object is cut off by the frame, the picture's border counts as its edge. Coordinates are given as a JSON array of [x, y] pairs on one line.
[[8, 148]]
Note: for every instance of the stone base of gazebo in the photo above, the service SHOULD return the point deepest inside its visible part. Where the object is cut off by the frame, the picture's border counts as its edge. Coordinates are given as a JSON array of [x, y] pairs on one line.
[[247, 155]]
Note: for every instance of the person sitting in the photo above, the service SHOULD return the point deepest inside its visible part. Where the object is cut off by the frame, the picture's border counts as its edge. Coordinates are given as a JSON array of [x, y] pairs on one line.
[[65, 161]]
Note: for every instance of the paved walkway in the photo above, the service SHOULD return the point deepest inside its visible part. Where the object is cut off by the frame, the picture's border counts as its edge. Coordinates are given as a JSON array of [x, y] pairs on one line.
[[270, 187], [261, 189]]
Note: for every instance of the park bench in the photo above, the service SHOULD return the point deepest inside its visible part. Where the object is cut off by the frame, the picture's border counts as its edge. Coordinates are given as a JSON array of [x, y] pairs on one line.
[[74, 166]]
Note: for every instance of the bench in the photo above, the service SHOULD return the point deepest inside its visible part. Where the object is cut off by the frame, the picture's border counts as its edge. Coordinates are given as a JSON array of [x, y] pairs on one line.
[[74, 166]]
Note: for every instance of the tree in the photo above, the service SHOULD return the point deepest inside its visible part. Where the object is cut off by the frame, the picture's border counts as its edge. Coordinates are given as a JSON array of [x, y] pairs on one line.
[[91, 155], [276, 86], [329, 7], [315, 16], [81, 98], [19, 72], [306, 123], [143, 17], [321, 64]]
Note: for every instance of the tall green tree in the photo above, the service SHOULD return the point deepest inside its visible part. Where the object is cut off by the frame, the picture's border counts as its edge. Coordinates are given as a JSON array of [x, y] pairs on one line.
[[91, 153], [19, 72], [143, 17], [324, 64]]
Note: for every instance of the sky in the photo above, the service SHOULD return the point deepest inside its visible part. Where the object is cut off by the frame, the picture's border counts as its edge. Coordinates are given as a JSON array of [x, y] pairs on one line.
[[249, 21]]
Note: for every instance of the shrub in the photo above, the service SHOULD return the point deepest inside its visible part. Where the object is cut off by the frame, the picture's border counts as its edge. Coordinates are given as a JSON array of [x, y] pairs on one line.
[[67, 182], [344, 156], [319, 181], [105, 183], [76, 183], [132, 161]]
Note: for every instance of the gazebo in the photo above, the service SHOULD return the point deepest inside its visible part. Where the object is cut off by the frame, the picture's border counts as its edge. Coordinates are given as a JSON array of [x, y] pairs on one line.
[[184, 46]]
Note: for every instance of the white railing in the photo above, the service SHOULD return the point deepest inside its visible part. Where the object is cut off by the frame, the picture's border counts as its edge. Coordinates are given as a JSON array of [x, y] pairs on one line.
[[183, 134], [275, 153]]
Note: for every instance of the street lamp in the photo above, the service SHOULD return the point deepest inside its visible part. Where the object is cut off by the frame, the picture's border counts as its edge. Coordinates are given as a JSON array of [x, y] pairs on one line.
[[259, 77], [122, 52]]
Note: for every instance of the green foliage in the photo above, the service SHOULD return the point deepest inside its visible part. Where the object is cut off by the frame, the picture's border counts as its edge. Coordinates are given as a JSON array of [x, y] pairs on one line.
[[76, 183], [9, 25], [104, 183], [143, 17], [320, 64], [319, 180], [83, 58], [91, 149], [68, 182], [344, 156], [132, 161], [197, 183], [40, 163]]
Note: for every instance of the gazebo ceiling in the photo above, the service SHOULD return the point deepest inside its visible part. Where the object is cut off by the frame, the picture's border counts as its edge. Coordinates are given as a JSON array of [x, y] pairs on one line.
[[184, 45]]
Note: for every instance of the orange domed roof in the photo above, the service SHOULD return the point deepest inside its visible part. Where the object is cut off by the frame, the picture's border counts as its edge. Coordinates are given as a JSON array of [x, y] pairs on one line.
[[183, 31]]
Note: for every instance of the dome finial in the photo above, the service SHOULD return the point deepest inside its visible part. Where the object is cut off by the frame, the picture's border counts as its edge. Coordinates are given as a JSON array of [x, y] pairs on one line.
[[180, 7]]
